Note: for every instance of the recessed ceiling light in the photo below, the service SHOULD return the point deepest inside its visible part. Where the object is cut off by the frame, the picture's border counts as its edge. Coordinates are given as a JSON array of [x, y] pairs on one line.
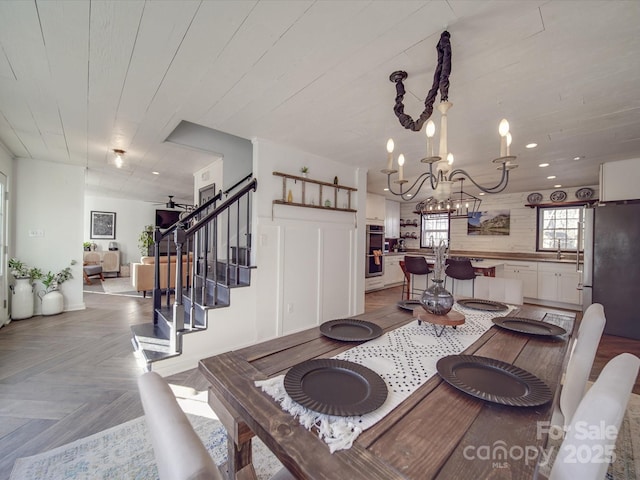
[[481, 193], [386, 189], [531, 145], [551, 177], [543, 165], [409, 195], [557, 186], [577, 158], [156, 173]]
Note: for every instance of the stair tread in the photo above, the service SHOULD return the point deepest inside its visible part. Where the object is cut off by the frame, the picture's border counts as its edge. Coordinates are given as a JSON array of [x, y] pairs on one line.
[[151, 356], [150, 331]]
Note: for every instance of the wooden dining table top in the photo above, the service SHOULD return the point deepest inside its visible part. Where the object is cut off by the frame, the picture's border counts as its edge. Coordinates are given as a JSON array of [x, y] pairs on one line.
[[437, 432]]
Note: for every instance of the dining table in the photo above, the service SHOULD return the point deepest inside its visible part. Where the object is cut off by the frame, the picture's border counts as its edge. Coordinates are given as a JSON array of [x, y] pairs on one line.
[[438, 431]]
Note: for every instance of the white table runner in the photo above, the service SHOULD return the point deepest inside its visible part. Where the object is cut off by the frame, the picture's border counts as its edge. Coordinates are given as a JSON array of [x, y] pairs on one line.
[[405, 358]]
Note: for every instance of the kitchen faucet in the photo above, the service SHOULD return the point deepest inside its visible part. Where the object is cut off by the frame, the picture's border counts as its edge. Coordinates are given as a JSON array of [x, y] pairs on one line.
[[559, 254]]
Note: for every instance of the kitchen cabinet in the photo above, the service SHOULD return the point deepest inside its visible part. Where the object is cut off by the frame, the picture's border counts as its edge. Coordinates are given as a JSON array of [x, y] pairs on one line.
[[525, 271], [373, 283], [558, 282], [619, 180], [392, 272], [392, 219], [375, 208]]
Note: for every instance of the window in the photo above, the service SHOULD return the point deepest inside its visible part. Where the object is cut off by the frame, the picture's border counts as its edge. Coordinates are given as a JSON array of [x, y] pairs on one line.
[[435, 227], [559, 227]]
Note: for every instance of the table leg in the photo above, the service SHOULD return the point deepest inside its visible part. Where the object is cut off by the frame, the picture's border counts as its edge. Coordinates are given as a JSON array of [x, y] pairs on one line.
[[239, 461], [239, 435]]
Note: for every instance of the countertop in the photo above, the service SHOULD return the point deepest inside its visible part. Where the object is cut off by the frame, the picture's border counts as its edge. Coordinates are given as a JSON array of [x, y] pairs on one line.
[[525, 257]]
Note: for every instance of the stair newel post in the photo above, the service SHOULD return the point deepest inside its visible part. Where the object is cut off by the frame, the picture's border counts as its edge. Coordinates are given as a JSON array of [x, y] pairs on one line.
[[213, 241], [178, 310], [157, 296], [237, 266]]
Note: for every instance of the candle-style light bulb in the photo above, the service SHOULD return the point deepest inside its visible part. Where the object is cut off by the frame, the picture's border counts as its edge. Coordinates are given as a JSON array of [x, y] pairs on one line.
[[508, 142], [450, 158], [430, 131], [400, 165], [503, 130], [390, 146]]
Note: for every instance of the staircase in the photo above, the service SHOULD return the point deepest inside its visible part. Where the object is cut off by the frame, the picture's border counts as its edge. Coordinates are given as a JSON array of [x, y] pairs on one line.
[[211, 246]]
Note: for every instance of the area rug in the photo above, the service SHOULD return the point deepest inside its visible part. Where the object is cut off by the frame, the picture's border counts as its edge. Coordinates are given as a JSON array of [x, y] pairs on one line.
[[112, 286], [125, 452]]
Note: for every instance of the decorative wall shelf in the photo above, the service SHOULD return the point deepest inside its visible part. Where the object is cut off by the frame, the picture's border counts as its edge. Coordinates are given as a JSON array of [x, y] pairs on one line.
[[591, 201], [331, 197]]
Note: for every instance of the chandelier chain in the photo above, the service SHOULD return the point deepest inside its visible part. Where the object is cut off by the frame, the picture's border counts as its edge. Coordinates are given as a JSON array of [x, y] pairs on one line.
[[440, 82]]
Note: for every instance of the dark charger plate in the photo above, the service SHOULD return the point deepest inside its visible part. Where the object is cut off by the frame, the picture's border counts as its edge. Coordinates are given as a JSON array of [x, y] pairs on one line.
[[528, 325], [493, 380], [350, 330], [335, 387], [408, 304], [485, 305]]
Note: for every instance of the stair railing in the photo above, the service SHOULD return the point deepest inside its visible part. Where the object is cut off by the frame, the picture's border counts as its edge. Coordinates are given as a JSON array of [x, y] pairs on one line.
[[196, 235]]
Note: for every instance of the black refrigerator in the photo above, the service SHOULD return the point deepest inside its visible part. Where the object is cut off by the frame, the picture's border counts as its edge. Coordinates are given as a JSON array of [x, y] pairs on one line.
[[611, 270]]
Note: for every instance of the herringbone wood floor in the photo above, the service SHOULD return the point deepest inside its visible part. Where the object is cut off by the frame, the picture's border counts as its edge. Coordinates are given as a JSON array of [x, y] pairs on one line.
[[71, 375]]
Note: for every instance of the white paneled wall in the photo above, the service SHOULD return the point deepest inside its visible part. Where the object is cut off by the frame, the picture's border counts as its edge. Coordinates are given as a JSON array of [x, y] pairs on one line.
[[522, 237], [310, 261]]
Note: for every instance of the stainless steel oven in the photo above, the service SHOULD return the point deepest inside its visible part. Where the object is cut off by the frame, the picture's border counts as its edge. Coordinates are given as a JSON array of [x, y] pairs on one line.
[[375, 248]]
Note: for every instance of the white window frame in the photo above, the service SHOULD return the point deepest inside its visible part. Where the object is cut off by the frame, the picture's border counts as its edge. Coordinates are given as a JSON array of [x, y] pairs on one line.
[[430, 237], [556, 224]]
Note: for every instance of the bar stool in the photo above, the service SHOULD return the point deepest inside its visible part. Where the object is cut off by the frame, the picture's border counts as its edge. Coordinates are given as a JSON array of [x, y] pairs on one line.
[[413, 266], [459, 269]]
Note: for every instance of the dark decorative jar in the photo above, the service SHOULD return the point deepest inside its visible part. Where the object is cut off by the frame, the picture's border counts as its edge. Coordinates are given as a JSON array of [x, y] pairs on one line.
[[436, 299]]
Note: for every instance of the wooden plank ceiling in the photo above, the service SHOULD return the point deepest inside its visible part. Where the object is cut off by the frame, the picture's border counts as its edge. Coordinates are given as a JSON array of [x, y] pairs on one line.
[[80, 78]]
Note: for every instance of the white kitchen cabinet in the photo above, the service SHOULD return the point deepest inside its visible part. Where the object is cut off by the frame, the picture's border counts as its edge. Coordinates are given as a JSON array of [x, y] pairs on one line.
[[392, 271], [619, 180], [525, 271], [392, 219], [373, 283], [375, 208], [558, 282]]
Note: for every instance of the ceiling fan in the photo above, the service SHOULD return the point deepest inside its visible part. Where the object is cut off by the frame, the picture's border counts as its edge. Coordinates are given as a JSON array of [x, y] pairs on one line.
[[171, 204]]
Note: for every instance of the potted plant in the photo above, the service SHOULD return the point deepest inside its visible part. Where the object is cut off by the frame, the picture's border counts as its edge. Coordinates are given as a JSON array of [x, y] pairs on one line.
[[51, 298], [22, 291], [86, 246], [145, 240], [304, 171]]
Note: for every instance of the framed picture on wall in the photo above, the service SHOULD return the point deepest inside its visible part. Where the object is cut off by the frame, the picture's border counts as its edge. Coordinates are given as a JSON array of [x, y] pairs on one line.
[[103, 225], [491, 222]]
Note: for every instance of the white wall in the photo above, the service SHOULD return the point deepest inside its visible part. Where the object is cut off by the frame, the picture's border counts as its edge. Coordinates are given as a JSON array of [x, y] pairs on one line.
[[131, 218], [211, 174], [522, 236], [49, 197], [6, 168], [311, 260]]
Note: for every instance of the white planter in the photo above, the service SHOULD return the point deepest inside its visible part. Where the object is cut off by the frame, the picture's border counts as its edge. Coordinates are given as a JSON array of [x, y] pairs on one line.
[[21, 299], [52, 302]]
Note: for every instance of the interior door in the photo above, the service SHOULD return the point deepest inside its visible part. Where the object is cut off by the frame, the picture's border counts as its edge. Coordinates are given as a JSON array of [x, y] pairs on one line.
[[206, 240], [4, 310]]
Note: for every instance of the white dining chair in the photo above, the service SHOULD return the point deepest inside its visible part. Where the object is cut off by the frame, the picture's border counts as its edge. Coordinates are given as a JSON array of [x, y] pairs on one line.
[[581, 361], [589, 443], [178, 450], [507, 290]]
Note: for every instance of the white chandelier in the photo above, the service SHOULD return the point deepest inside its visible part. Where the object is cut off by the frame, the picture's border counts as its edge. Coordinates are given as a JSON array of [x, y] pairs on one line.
[[442, 175]]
